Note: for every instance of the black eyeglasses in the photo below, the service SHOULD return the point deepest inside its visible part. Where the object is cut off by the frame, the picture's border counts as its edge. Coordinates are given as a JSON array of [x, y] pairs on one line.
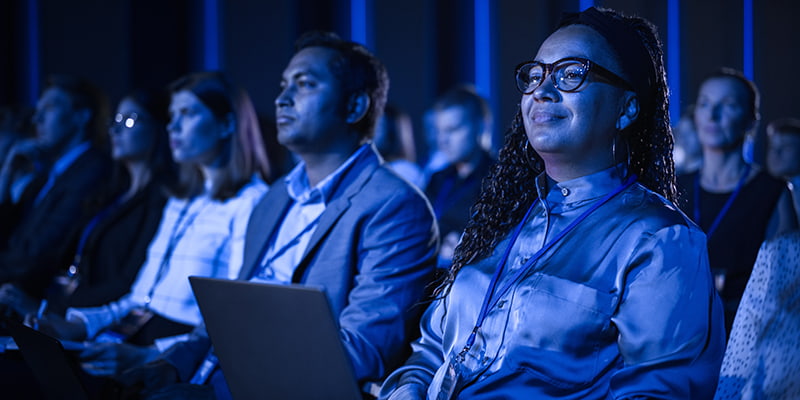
[[567, 74], [128, 121]]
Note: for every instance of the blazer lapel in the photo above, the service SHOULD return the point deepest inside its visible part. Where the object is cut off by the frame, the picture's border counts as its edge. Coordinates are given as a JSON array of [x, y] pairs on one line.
[[351, 184], [265, 219]]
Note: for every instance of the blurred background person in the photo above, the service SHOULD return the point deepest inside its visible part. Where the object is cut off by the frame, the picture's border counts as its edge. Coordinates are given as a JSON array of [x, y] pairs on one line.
[[113, 245], [763, 353], [70, 170], [217, 144], [736, 203], [687, 152], [460, 119], [783, 155], [394, 139]]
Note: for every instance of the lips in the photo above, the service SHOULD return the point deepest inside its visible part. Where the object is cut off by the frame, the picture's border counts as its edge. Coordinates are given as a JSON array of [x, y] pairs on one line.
[[283, 119], [543, 117]]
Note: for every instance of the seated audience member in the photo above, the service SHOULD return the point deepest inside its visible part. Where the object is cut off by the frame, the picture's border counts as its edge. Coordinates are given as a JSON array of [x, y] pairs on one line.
[[215, 140], [394, 140], [577, 278], [460, 118], [687, 153], [736, 203], [763, 354], [340, 220], [15, 127], [71, 169], [783, 155], [113, 245]]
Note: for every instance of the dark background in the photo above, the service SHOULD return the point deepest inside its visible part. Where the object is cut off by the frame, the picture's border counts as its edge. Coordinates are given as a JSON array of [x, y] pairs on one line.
[[427, 45]]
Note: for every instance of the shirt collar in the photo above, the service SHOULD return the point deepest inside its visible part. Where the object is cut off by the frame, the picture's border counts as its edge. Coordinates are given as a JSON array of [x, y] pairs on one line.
[[297, 181], [587, 187], [69, 157]]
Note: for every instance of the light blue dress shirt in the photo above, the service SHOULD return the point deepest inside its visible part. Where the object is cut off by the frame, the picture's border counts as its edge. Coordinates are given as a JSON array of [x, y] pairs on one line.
[[622, 307]]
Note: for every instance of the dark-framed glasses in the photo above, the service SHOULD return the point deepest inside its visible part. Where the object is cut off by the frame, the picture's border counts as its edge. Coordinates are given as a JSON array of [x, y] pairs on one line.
[[567, 74], [125, 120]]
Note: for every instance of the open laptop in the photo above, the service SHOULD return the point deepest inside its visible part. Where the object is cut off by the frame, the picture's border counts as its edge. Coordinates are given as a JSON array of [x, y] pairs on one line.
[[55, 371], [275, 341]]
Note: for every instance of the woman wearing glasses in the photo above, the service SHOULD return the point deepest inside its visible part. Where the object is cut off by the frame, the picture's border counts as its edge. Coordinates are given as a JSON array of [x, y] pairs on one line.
[[576, 277], [113, 245], [217, 144]]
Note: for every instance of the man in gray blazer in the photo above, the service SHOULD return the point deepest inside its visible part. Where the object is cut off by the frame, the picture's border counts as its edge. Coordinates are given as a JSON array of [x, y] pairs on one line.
[[340, 220]]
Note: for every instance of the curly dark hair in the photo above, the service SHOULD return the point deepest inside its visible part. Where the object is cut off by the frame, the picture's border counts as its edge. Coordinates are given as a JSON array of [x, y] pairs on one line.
[[507, 191]]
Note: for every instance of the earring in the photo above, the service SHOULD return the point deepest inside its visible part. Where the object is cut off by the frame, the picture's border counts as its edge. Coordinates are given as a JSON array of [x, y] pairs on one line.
[[627, 166], [533, 162]]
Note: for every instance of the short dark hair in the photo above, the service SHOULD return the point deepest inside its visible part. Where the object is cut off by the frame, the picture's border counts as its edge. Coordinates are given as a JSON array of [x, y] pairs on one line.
[[785, 125], [467, 97], [358, 70], [753, 94], [85, 95]]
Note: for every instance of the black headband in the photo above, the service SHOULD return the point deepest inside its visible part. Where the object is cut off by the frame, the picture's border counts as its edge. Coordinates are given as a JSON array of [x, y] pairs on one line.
[[637, 64]]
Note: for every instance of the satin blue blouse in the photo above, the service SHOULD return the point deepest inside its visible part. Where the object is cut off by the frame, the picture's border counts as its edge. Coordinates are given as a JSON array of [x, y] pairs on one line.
[[622, 307]]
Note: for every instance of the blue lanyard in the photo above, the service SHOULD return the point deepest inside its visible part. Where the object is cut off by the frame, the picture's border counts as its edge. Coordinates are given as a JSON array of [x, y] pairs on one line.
[[725, 208], [488, 304], [73, 270]]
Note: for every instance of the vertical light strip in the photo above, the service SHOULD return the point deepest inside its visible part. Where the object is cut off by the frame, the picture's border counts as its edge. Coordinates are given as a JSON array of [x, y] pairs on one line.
[[483, 48], [584, 4], [32, 67], [749, 56], [360, 27], [674, 58], [211, 35]]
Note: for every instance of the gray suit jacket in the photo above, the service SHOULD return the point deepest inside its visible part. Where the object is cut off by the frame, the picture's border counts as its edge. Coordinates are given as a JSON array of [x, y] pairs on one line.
[[374, 254]]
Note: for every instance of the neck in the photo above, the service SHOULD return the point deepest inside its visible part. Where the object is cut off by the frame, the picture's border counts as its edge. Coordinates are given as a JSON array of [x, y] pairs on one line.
[[561, 170], [319, 166], [722, 170], [211, 176], [140, 175]]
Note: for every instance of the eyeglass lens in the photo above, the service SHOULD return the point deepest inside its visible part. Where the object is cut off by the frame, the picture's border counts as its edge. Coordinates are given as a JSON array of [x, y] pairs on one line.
[[567, 75]]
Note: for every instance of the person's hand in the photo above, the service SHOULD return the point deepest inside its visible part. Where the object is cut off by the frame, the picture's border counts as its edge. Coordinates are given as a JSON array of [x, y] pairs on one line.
[[148, 378], [57, 326], [109, 359], [17, 300]]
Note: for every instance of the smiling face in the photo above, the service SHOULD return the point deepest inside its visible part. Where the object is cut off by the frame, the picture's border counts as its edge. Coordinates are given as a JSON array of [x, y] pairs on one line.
[[721, 114], [132, 142], [574, 130], [309, 111], [195, 134]]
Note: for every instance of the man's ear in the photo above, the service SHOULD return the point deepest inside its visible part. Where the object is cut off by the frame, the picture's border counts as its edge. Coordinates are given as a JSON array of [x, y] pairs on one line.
[[630, 111], [357, 107]]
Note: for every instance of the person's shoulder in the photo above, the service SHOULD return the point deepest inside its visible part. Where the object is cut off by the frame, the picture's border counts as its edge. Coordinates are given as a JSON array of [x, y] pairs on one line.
[[650, 206]]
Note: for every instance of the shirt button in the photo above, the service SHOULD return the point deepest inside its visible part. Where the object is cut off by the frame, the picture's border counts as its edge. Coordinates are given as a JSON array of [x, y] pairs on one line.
[[564, 192], [501, 303], [146, 299]]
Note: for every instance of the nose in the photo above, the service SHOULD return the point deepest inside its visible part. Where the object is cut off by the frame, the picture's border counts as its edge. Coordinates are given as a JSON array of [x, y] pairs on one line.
[[284, 98], [172, 126], [546, 91]]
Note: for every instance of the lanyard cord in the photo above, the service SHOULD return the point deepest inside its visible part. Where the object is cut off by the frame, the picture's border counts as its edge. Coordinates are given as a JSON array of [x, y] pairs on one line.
[[488, 304], [76, 261], [174, 238], [725, 208], [265, 262]]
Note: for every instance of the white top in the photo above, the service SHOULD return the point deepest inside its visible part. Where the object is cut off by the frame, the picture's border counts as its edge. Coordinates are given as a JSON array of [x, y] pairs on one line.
[[206, 238]]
